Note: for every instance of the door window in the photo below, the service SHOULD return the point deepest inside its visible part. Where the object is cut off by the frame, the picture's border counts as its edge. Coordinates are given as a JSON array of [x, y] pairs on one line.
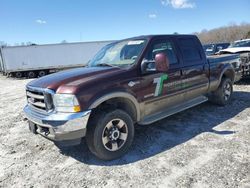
[[165, 47], [190, 51]]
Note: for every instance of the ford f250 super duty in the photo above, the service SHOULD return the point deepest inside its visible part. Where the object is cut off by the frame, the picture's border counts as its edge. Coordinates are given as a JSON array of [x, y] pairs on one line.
[[129, 82]]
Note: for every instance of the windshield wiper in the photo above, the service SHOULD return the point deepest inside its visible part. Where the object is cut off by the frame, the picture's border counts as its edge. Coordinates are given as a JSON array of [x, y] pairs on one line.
[[104, 65]]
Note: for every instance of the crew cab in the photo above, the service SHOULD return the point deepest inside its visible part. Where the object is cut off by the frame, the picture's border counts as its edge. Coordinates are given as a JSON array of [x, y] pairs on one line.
[[131, 82]]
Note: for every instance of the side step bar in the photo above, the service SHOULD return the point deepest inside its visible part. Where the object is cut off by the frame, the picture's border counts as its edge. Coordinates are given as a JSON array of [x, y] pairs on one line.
[[173, 110]]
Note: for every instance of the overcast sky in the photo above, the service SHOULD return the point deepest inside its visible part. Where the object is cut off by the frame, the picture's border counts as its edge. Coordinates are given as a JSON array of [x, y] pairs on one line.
[[51, 21]]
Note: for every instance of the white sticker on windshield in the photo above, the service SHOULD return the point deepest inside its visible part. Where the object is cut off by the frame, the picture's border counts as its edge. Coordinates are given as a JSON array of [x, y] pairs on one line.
[[134, 42]]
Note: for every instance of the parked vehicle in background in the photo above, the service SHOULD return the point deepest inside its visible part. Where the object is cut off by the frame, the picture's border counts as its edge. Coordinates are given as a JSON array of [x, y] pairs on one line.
[[241, 47], [213, 48], [39, 60], [134, 81]]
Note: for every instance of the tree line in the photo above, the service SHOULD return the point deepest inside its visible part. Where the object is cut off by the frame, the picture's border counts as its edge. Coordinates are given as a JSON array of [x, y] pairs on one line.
[[228, 33]]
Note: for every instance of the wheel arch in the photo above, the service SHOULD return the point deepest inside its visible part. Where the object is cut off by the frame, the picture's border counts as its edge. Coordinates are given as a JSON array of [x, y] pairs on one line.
[[121, 100], [228, 72]]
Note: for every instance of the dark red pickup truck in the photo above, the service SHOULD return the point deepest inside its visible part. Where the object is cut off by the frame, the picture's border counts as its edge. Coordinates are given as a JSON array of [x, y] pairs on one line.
[[134, 81]]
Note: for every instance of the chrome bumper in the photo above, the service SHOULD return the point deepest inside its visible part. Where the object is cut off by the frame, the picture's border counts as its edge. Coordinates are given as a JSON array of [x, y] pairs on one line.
[[58, 126]]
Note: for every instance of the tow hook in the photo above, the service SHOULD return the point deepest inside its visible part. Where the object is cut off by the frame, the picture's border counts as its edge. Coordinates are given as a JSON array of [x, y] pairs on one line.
[[32, 127]]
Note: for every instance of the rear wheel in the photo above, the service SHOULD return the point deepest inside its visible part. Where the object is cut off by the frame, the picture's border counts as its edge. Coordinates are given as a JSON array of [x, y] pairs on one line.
[[109, 135], [224, 92], [31, 74], [18, 75], [41, 73]]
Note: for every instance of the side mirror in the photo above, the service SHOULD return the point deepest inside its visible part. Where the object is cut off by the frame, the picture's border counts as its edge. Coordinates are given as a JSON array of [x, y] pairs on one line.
[[161, 62], [148, 66]]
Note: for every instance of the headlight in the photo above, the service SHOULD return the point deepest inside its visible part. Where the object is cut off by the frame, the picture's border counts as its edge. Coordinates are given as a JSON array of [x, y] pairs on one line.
[[66, 103]]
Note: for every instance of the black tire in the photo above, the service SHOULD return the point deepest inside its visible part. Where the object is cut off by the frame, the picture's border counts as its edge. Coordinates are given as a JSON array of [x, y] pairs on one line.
[[18, 75], [31, 74], [103, 128], [224, 92], [41, 73]]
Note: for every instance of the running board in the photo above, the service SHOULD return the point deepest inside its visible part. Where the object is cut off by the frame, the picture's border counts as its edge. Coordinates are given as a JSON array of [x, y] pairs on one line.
[[173, 110]]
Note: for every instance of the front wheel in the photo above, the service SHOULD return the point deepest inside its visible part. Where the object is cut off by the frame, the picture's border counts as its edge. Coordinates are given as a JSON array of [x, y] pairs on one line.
[[109, 135]]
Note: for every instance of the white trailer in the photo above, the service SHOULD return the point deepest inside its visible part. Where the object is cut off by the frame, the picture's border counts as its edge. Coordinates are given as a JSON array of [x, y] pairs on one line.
[[38, 60]]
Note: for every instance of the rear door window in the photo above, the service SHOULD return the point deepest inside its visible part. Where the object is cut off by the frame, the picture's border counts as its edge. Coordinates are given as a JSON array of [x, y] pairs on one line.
[[190, 51]]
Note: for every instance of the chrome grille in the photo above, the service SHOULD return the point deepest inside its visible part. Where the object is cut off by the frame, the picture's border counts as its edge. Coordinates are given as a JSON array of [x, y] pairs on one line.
[[40, 99]]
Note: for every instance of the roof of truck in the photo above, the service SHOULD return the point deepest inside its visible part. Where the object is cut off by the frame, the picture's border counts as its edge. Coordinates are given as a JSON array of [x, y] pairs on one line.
[[165, 35], [157, 36]]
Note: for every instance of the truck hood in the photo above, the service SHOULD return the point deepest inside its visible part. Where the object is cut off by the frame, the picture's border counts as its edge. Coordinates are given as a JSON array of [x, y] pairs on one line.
[[67, 81], [236, 50]]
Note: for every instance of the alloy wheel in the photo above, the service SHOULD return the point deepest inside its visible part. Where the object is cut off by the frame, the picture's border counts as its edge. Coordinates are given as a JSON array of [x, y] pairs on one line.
[[227, 91], [115, 134]]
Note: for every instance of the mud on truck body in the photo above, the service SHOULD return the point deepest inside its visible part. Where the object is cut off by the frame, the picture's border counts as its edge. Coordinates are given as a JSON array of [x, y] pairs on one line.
[[129, 82]]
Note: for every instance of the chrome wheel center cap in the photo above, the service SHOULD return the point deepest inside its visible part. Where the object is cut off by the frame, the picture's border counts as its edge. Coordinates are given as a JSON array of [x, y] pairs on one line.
[[115, 134]]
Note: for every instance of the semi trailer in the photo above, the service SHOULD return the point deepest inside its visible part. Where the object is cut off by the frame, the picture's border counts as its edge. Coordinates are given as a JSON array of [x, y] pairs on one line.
[[39, 60]]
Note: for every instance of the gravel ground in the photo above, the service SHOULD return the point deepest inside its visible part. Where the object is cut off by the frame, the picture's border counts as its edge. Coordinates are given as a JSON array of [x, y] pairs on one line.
[[206, 146]]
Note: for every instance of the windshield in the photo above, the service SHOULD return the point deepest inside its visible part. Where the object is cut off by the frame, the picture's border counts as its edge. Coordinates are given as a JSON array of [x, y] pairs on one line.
[[245, 43], [121, 54]]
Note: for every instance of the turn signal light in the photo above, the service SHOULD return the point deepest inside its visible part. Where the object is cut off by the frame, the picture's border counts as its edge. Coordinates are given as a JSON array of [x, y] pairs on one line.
[[77, 108]]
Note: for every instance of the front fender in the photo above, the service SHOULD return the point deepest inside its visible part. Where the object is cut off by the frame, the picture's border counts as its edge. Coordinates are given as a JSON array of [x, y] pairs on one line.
[[119, 94]]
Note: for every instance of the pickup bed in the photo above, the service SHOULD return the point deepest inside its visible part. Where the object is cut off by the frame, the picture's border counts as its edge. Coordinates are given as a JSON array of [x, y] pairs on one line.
[[129, 82]]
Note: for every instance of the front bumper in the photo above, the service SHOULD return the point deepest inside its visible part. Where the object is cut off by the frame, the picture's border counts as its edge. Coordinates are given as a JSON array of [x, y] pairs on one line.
[[58, 127]]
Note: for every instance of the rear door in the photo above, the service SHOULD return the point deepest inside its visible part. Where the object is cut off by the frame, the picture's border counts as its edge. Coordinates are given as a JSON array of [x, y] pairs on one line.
[[195, 68], [158, 91]]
